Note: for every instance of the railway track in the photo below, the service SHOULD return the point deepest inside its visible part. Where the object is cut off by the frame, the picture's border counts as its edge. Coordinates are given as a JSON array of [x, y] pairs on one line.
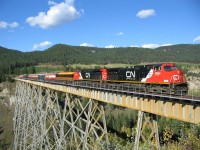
[[125, 89]]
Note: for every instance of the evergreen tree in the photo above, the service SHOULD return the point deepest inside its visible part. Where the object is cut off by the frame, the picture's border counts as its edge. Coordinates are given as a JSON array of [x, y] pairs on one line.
[[32, 70]]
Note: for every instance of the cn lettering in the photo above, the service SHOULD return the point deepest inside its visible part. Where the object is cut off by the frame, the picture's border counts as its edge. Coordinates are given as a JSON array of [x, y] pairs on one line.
[[130, 74], [87, 75]]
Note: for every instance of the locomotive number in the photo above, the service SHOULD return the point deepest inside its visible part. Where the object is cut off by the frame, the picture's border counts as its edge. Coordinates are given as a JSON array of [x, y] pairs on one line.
[[130, 74]]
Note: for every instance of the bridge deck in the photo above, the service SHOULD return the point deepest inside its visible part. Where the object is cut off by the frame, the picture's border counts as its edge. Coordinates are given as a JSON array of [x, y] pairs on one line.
[[180, 108]]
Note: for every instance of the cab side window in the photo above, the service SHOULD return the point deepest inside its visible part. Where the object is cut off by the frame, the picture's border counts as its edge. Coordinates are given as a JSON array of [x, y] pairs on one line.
[[157, 68]]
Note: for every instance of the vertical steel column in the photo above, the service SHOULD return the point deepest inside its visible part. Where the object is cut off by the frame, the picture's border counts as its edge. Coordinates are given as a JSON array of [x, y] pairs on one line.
[[152, 123], [139, 129], [47, 119]]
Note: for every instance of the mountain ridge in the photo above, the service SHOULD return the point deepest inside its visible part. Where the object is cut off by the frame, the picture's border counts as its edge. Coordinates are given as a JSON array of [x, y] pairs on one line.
[[66, 54]]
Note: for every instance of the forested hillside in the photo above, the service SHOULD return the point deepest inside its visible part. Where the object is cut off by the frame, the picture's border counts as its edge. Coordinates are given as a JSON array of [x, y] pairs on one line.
[[12, 60]]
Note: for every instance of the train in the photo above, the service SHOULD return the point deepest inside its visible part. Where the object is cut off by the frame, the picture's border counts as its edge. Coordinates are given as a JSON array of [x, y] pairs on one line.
[[160, 78]]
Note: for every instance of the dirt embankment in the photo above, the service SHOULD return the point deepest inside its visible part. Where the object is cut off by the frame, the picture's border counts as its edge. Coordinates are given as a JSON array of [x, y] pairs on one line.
[[194, 83], [193, 79], [7, 91]]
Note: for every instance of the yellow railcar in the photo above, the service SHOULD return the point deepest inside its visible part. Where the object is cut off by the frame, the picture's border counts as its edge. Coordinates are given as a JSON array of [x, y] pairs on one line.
[[65, 76]]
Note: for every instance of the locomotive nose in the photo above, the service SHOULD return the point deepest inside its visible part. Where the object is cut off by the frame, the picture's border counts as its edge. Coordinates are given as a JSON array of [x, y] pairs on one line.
[[178, 76], [182, 76]]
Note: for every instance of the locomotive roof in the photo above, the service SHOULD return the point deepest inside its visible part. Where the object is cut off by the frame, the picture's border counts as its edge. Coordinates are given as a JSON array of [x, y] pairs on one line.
[[138, 66], [65, 73], [91, 70]]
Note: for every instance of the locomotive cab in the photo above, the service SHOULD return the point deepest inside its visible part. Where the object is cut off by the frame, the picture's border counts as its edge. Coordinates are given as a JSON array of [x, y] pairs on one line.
[[169, 75], [175, 74], [166, 73]]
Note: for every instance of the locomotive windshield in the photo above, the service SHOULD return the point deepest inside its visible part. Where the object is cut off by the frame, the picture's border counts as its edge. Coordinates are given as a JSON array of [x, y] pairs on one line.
[[169, 68], [158, 67]]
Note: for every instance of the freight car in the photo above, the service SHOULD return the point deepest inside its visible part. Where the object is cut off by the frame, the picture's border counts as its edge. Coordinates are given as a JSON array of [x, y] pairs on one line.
[[65, 76], [60, 76]]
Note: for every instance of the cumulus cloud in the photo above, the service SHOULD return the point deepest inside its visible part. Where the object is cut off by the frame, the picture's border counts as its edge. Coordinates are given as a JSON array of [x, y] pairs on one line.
[[134, 46], [197, 39], [146, 13], [120, 33], [52, 3], [58, 14], [166, 45], [41, 45], [13, 25], [4, 25], [86, 45], [110, 46], [152, 46]]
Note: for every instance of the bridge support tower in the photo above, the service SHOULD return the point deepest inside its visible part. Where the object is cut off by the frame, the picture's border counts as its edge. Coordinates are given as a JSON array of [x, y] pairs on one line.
[[145, 121], [49, 119]]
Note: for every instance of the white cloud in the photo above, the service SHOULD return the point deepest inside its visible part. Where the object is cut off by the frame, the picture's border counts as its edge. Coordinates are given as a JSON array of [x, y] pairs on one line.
[[41, 45], [13, 25], [52, 3], [152, 46], [57, 14], [197, 39], [4, 25], [120, 33], [110, 46], [86, 44], [134, 46], [166, 45], [146, 13]]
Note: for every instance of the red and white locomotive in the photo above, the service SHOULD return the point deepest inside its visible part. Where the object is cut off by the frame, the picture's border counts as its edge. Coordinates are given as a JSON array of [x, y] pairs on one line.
[[163, 77]]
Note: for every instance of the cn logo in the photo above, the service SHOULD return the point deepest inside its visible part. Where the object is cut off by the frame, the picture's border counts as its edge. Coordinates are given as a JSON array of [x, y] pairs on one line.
[[130, 74], [176, 77], [87, 75]]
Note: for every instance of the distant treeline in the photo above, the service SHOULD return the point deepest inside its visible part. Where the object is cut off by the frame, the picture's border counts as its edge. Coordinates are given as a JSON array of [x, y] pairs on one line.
[[12, 60]]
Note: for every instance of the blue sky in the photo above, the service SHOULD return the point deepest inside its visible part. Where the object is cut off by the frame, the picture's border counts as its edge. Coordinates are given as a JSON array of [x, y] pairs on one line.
[[28, 25]]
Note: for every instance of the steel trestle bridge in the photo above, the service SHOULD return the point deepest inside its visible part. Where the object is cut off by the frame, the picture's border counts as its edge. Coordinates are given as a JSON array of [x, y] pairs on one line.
[[55, 115]]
